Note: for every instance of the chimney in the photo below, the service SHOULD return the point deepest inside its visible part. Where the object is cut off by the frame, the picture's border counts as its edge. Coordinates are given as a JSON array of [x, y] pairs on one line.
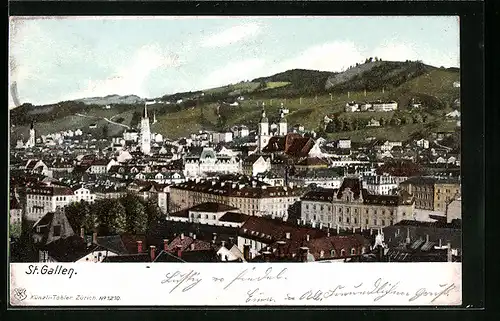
[[165, 245], [139, 246], [304, 252], [338, 229], [320, 226], [215, 236], [152, 250], [450, 255], [179, 251], [82, 233], [182, 236], [427, 238], [440, 243], [194, 236], [408, 240], [287, 235], [94, 238], [307, 237], [223, 243], [397, 233], [371, 231], [191, 234], [267, 256], [328, 233], [191, 246], [246, 252]]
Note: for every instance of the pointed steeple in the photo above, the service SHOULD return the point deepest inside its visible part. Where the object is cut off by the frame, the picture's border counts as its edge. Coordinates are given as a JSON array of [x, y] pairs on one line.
[[263, 119]]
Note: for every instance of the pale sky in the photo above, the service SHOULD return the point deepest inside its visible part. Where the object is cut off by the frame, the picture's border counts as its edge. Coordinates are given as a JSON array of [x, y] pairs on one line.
[[55, 59]]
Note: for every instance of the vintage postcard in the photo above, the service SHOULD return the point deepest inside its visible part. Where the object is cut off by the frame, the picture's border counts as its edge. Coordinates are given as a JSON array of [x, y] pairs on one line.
[[319, 155]]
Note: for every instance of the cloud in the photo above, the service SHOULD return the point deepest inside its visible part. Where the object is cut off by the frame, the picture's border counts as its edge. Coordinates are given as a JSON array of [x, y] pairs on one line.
[[234, 72], [334, 56], [131, 78], [231, 35]]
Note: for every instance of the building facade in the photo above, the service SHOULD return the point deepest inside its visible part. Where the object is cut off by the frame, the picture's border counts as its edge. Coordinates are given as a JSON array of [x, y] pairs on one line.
[[432, 193], [352, 207], [251, 199], [210, 162]]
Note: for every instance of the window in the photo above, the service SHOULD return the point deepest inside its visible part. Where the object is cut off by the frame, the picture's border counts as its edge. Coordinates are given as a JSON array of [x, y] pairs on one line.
[[57, 230], [340, 218], [375, 221], [322, 254], [383, 222], [355, 211], [353, 251], [347, 219], [355, 220], [342, 253], [366, 221], [332, 253], [214, 217], [307, 206]]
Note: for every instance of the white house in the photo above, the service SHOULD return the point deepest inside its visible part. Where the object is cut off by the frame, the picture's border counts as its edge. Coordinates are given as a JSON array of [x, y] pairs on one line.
[[222, 137], [83, 194], [210, 213], [384, 106], [344, 143], [373, 123], [351, 107], [423, 143], [380, 184], [255, 164], [210, 162]]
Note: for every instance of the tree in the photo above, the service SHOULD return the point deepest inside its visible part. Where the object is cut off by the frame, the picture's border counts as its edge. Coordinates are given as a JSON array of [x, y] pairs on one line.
[[136, 216], [395, 121], [77, 213], [407, 119], [106, 215], [417, 118], [117, 217], [105, 131], [15, 230], [153, 212], [330, 127]]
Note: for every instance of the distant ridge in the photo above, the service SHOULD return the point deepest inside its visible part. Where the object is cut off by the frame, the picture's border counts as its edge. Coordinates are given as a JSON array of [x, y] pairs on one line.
[[111, 100]]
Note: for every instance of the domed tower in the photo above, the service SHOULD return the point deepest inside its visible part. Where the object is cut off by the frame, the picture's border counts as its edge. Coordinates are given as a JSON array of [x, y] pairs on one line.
[[145, 133], [31, 140], [263, 130], [282, 126]]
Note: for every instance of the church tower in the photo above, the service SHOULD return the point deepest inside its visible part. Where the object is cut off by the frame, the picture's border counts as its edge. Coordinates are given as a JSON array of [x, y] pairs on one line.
[[263, 130], [282, 126], [145, 133], [31, 140]]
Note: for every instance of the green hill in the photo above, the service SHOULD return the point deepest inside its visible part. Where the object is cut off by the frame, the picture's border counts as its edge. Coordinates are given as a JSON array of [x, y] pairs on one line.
[[308, 94]]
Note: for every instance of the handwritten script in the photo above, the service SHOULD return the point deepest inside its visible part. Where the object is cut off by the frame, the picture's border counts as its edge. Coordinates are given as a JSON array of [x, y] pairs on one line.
[[262, 286]]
